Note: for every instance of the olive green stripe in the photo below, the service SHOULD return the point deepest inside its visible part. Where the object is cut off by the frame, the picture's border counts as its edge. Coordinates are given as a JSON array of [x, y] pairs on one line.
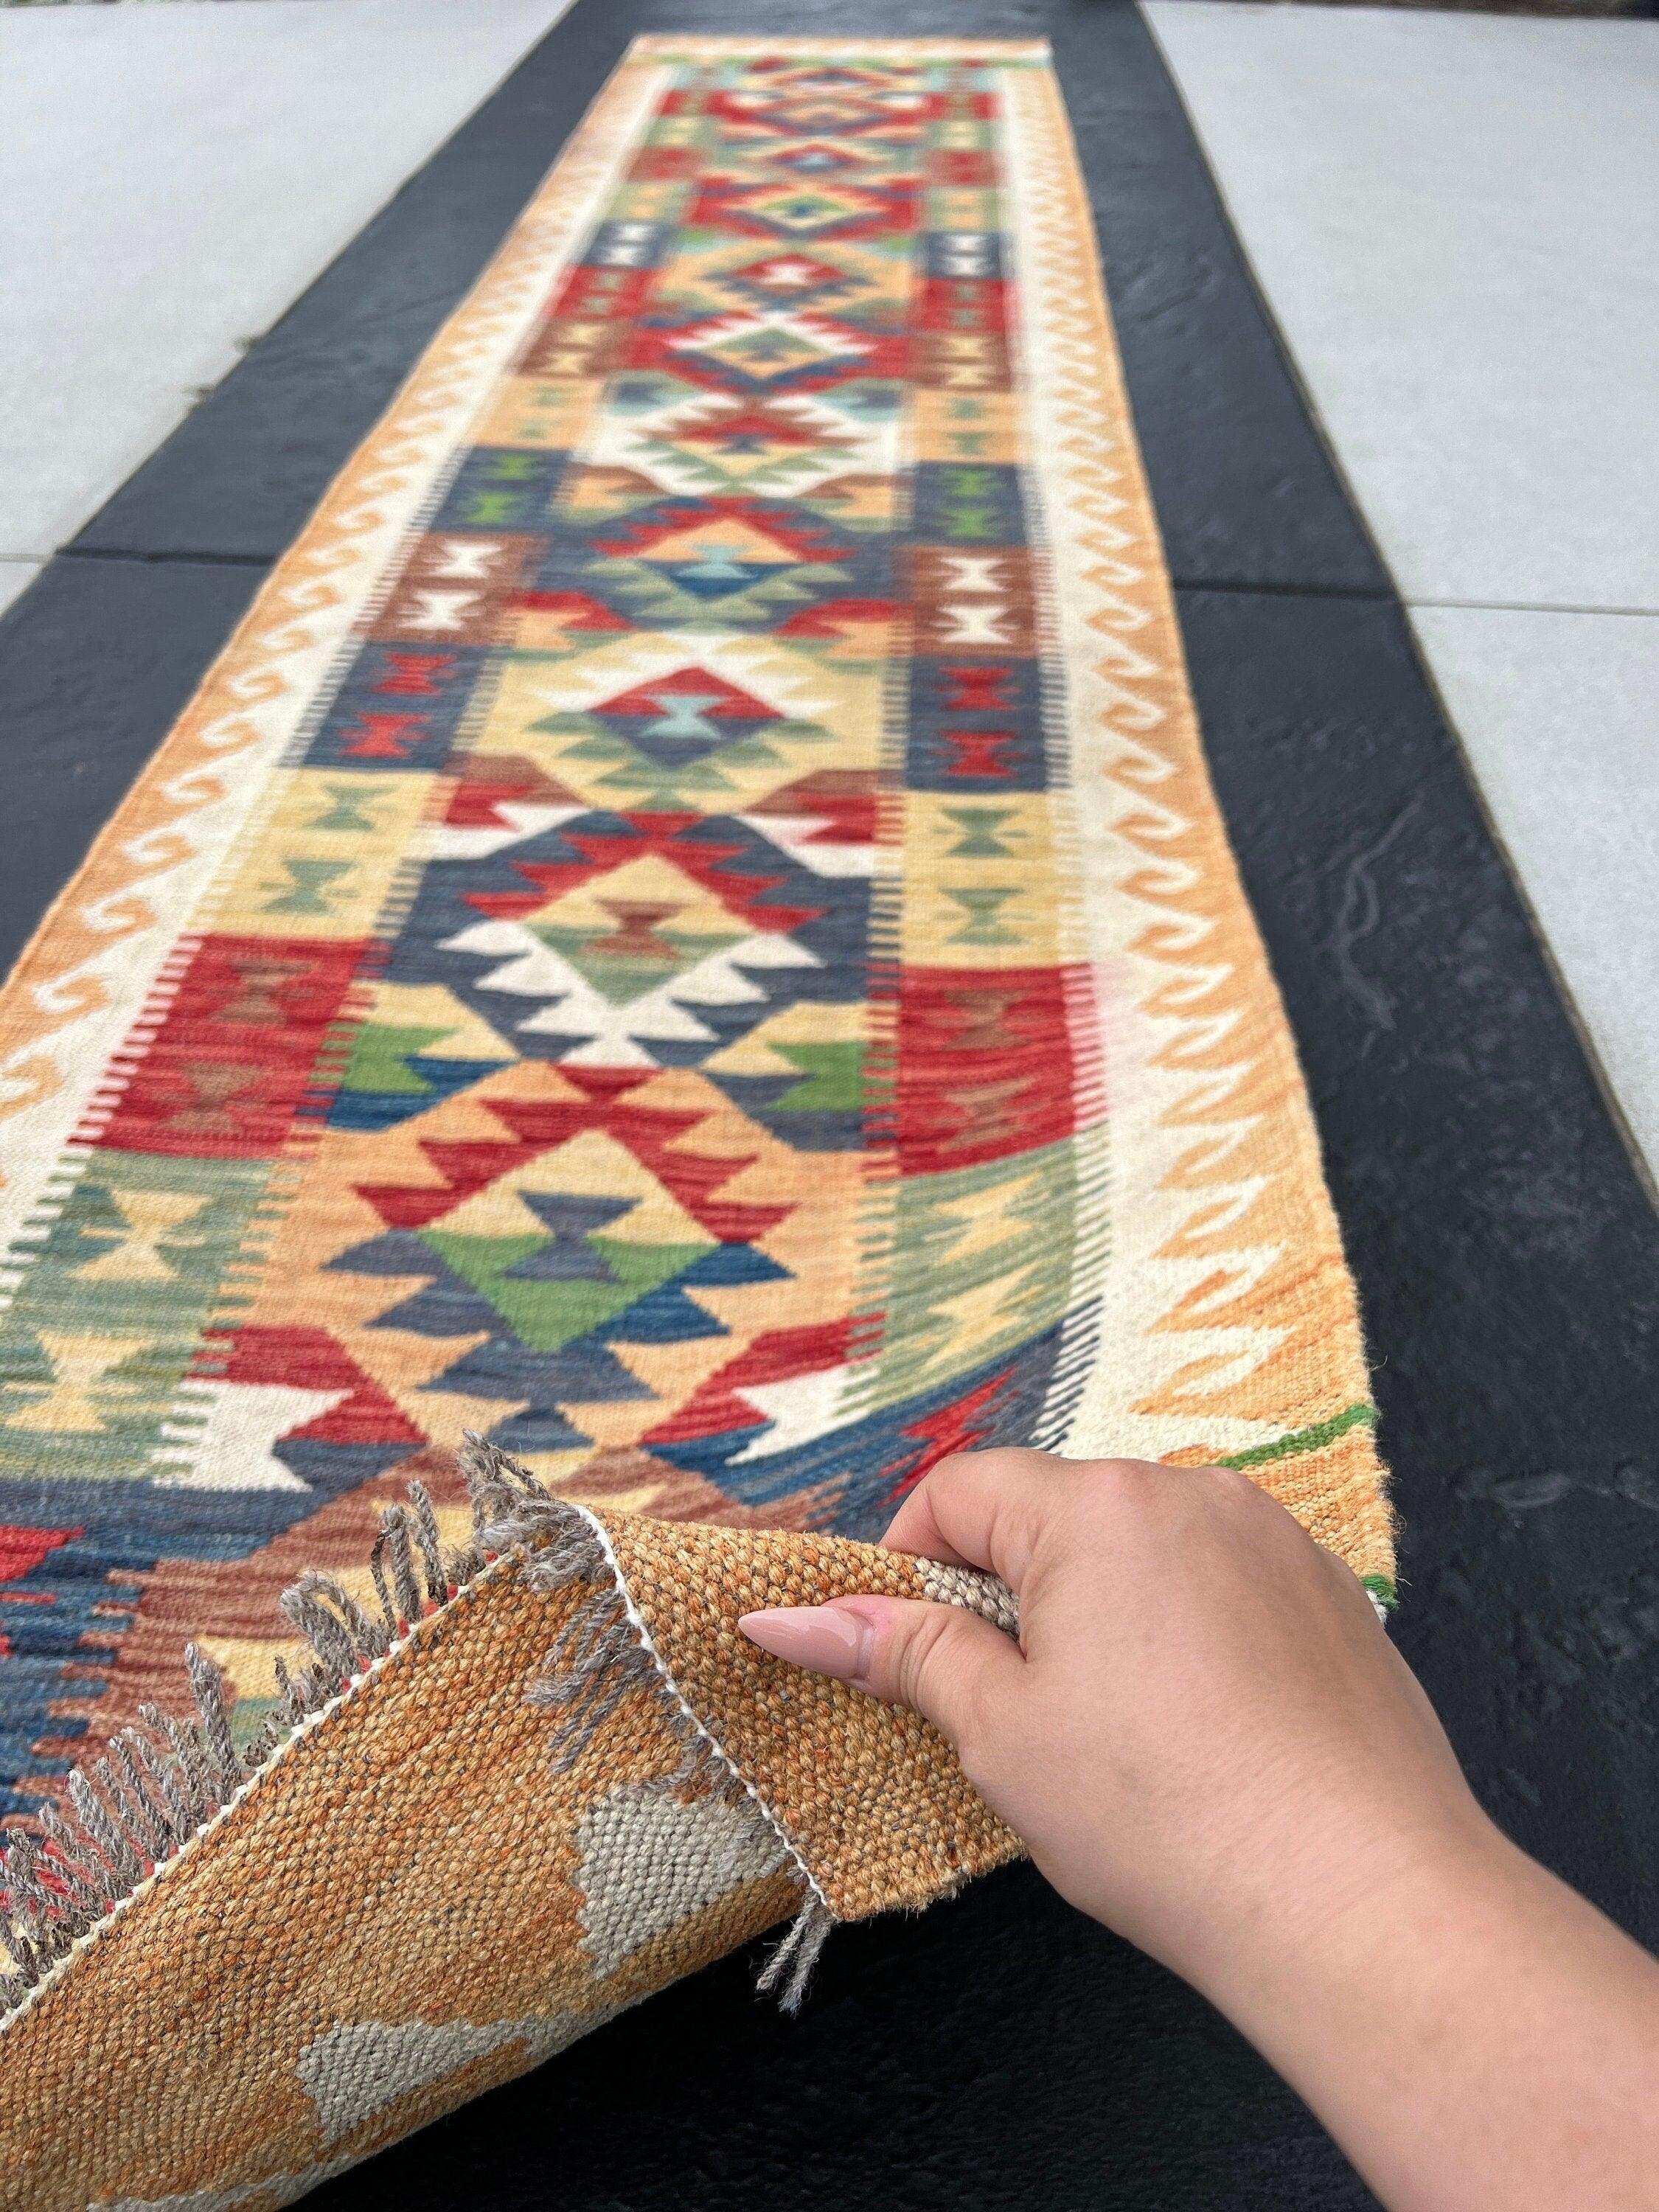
[[1304, 1440]]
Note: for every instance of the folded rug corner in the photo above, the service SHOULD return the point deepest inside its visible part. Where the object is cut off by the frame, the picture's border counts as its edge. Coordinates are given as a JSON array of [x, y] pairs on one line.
[[492, 1819]]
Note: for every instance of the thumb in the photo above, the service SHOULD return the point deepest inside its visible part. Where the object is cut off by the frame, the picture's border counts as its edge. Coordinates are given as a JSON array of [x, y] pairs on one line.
[[946, 1664]]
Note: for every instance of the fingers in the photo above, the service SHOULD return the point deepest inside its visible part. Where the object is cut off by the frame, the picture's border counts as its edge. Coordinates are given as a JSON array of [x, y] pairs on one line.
[[951, 1667], [981, 1509]]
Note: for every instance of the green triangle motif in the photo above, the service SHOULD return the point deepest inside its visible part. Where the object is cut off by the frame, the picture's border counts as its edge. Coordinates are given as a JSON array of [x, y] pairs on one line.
[[835, 1078], [379, 1059], [622, 976], [665, 785], [982, 905], [546, 1315], [982, 829], [671, 594], [349, 809], [306, 891]]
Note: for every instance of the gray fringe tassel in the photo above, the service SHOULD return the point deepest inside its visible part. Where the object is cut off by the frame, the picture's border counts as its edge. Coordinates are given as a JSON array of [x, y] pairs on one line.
[[161, 1782], [789, 1969], [131, 1809], [600, 1656]]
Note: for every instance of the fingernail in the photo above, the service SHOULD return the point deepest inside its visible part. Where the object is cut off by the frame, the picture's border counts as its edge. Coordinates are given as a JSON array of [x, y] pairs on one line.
[[821, 1636]]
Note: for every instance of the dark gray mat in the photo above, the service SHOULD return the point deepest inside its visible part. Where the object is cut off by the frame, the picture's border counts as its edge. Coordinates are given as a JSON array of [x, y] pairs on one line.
[[96, 660], [1245, 488]]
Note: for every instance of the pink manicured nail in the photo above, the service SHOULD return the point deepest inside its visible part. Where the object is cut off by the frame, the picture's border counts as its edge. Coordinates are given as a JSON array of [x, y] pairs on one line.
[[821, 1636]]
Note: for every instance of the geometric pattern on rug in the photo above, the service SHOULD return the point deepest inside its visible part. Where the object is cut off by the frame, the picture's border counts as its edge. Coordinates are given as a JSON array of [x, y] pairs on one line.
[[644, 1009]]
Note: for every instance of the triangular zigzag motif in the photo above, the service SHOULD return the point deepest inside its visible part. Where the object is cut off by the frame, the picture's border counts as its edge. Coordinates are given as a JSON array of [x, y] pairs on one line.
[[688, 934]]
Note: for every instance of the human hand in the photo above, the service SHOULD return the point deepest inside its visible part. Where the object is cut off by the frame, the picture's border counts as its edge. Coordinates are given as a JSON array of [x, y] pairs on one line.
[[1207, 1730], [1206, 1739]]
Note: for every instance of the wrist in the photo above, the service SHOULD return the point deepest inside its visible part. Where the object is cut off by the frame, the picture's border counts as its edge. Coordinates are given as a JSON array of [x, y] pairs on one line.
[[1470, 2031], [1340, 1909]]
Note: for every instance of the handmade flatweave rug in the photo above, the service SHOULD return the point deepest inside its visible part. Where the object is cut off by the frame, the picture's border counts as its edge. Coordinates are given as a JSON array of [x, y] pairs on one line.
[[686, 937]]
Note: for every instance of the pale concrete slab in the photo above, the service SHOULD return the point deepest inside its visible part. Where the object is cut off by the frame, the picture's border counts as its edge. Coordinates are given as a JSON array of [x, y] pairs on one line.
[[1455, 220], [1555, 712], [172, 179], [15, 576]]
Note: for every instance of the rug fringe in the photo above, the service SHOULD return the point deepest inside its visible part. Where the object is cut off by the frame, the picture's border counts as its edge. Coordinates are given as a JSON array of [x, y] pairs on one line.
[[159, 1783], [793, 1961], [605, 1652]]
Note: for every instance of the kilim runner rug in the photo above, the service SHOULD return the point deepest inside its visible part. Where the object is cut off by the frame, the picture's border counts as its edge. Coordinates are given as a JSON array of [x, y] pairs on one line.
[[686, 936]]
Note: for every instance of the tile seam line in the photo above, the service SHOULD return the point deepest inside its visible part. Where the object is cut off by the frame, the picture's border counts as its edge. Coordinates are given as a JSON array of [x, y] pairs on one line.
[[163, 557], [1275, 587], [1641, 1167], [1533, 607], [1324, 433], [1381, 594], [1279, 588], [495, 85]]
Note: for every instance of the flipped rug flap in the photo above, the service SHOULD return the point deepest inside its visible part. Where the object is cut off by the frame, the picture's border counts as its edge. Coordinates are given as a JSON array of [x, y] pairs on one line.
[[491, 1828], [870, 1795]]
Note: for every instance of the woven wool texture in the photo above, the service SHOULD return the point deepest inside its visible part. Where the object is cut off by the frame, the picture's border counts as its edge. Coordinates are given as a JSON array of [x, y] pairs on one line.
[[408, 1904], [688, 934]]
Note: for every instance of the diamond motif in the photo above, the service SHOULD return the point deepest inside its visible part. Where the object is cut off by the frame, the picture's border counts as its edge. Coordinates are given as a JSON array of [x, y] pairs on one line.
[[818, 160], [808, 210], [681, 717], [637, 928], [763, 349], [791, 280]]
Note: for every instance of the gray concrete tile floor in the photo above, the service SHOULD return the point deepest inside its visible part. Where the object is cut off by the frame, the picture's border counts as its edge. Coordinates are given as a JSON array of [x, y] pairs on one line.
[[15, 576], [185, 173], [1560, 714], [1454, 222]]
